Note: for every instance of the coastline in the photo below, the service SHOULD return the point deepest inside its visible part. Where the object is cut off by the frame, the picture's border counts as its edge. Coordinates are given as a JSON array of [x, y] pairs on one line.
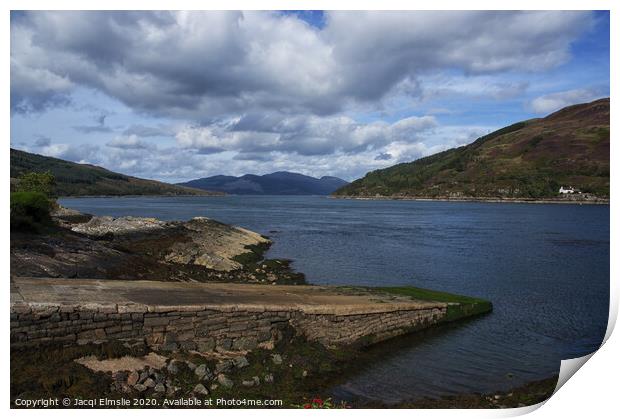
[[144, 195], [597, 201]]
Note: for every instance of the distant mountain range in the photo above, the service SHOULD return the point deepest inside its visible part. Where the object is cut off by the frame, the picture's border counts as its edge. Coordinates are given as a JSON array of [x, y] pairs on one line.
[[278, 183], [529, 159], [73, 179]]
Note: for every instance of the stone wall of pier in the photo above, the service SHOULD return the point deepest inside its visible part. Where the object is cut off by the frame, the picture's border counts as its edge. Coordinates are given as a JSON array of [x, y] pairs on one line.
[[206, 328]]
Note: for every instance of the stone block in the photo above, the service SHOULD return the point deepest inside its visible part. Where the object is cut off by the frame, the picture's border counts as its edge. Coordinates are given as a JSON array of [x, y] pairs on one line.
[[205, 345], [156, 321], [245, 344], [223, 344]]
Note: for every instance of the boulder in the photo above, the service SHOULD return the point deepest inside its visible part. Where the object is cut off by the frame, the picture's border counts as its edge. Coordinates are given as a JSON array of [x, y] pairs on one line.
[[172, 368], [144, 375], [203, 372], [224, 366], [133, 378], [149, 382], [140, 387], [201, 389], [241, 362], [225, 381], [248, 383]]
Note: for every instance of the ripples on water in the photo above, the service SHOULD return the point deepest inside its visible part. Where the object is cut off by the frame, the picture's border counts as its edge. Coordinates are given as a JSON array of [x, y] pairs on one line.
[[544, 267]]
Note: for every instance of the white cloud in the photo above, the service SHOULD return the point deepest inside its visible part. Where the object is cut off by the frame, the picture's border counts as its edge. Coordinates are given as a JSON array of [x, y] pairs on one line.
[[552, 102], [202, 65], [128, 142], [242, 92], [303, 135]]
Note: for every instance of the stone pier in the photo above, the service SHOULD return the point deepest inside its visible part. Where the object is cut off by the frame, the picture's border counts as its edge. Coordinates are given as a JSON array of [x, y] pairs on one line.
[[206, 316]]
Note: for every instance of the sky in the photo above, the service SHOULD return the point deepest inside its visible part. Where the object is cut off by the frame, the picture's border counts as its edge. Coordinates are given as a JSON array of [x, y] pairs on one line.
[[175, 96]]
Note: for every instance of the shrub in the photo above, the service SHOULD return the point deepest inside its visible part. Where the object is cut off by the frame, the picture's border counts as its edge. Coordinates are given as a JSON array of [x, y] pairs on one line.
[[29, 211], [37, 182]]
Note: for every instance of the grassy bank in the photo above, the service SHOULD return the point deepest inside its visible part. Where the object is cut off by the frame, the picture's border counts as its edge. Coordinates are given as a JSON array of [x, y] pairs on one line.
[[459, 306]]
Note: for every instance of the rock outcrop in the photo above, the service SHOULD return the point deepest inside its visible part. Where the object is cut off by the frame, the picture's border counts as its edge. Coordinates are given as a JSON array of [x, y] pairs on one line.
[[103, 226], [200, 249]]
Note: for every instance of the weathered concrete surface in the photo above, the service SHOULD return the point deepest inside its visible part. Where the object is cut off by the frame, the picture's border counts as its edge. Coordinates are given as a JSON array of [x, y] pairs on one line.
[[307, 298], [205, 316]]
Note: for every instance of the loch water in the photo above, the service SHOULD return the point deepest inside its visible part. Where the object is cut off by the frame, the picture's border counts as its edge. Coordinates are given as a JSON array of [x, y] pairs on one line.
[[545, 267]]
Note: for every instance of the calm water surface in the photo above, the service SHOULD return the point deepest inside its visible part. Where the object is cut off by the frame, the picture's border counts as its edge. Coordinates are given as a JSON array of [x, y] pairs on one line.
[[544, 267]]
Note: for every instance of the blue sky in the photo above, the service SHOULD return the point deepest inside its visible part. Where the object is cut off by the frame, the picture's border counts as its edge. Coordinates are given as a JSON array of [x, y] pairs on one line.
[[180, 95]]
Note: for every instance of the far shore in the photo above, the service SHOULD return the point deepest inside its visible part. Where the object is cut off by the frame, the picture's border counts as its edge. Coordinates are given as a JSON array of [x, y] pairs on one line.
[[597, 201], [142, 196]]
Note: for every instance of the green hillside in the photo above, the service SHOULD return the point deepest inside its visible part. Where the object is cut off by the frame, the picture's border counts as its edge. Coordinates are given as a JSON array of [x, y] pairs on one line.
[[73, 179], [530, 159]]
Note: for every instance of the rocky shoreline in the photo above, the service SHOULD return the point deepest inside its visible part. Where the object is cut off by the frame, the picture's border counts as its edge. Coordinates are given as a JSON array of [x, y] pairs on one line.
[[198, 250]]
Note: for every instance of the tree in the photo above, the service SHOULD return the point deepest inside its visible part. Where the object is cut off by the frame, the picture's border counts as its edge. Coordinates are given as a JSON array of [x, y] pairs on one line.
[[43, 183], [30, 210]]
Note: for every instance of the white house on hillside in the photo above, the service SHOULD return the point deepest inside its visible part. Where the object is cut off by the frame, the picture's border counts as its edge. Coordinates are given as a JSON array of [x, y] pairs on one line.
[[570, 189]]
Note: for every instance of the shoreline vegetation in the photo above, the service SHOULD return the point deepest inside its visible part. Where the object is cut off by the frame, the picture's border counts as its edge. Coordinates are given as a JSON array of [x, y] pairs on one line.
[[214, 195], [565, 201]]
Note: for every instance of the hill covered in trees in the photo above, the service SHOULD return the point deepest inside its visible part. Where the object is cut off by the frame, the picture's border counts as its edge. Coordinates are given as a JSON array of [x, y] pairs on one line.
[[529, 159], [73, 179]]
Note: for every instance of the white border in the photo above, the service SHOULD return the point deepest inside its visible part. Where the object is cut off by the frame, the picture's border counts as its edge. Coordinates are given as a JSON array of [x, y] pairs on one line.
[[591, 393]]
